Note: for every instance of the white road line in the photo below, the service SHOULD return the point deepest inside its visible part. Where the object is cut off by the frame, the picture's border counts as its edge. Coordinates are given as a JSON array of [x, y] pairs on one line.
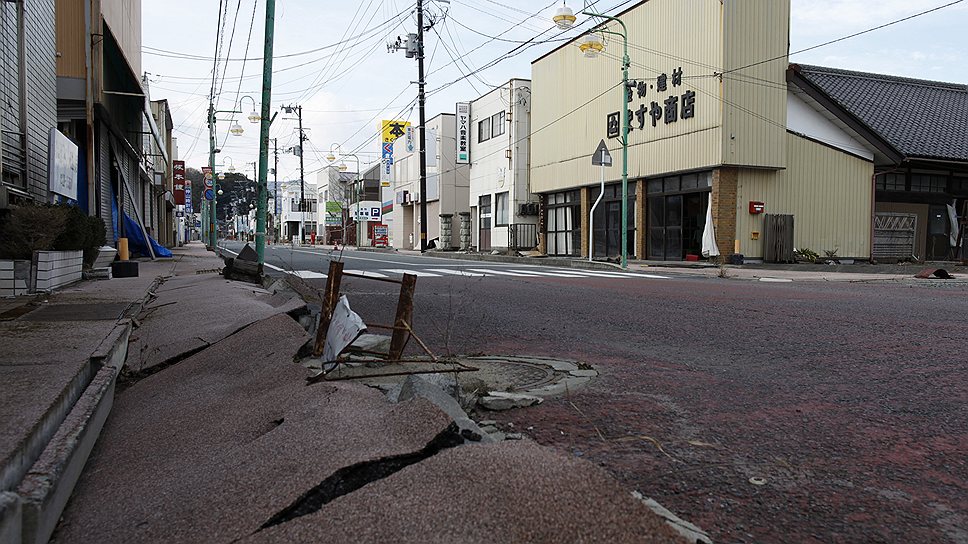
[[418, 273], [308, 274], [367, 273], [776, 280], [267, 265], [456, 272], [488, 272], [557, 274], [650, 276]]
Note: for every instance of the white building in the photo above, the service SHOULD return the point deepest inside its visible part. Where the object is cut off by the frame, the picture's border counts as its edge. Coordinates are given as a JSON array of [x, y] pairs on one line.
[[504, 213], [447, 186], [289, 195]]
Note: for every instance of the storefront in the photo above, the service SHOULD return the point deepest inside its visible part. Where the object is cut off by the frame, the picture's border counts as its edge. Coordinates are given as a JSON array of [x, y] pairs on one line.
[[721, 126]]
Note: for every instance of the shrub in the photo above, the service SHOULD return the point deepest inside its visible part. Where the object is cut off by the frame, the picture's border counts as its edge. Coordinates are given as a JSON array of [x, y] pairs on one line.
[[31, 228], [50, 227]]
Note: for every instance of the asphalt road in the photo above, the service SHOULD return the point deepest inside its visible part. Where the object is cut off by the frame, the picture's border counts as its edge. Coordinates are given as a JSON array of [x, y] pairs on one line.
[[763, 412]]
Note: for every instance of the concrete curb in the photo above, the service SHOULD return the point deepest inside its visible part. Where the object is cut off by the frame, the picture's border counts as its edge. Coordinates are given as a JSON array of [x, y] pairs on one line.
[[54, 454], [45, 490]]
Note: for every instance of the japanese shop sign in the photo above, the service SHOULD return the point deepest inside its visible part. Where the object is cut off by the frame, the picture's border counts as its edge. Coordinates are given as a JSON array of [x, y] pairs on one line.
[[665, 107], [463, 138], [178, 187]]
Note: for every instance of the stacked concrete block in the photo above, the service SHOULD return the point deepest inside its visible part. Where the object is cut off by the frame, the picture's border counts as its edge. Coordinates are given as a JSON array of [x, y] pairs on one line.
[[14, 278], [54, 269]]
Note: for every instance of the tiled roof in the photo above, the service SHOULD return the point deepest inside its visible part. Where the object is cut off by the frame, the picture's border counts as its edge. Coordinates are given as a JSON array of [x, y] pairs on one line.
[[919, 118]]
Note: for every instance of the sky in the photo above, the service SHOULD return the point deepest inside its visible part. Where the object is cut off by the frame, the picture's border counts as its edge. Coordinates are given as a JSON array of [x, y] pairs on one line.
[[332, 58]]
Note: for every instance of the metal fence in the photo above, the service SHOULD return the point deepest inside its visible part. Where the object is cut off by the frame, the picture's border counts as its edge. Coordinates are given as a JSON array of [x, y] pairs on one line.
[[522, 236]]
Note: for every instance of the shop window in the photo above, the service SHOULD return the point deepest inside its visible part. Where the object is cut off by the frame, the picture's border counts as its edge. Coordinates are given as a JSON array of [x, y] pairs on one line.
[[501, 209], [497, 124], [484, 130], [563, 223]]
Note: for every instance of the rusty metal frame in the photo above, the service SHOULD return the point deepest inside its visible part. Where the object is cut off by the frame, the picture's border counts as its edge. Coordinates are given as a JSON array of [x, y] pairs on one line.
[[402, 329]]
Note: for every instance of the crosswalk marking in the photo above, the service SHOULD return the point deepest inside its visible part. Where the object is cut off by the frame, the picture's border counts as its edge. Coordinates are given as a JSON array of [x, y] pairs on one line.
[[556, 273], [308, 274], [487, 272], [418, 273], [367, 273], [483, 272], [456, 272]]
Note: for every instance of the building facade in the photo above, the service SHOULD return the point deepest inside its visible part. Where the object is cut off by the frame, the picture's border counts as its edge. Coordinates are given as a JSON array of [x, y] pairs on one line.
[[28, 99], [504, 212], [709, 137], [103, 106], [448, 186], [290, 194]]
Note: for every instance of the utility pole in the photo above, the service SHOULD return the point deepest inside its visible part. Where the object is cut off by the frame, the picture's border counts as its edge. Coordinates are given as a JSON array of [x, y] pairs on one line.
[[421, 99], [265, 121], [302, 180], [275, 199], [212, 230]]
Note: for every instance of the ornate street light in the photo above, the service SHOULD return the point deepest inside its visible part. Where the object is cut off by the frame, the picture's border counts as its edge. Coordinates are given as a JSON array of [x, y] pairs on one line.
[[591, 46]]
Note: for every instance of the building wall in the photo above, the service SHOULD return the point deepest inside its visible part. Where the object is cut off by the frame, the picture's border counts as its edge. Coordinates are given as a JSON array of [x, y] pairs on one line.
[[448, 184], [124, 19], [71, 61], [40, 92], [737, 120], [501, 163], [754, 92], [828, 192]]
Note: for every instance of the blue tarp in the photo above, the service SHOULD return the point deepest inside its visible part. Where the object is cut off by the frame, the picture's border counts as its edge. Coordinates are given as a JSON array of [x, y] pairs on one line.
[[136, 238]]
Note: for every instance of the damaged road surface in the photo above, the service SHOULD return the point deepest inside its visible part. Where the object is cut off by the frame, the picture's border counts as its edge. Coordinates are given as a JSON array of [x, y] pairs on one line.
[[223, 441]]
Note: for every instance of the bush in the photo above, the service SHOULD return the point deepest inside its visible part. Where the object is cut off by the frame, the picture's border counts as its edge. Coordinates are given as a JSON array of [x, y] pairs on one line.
[[50, 227], [31, 228]]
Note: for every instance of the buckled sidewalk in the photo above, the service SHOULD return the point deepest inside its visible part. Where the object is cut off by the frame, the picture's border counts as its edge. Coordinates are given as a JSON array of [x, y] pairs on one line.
[[62, 353]]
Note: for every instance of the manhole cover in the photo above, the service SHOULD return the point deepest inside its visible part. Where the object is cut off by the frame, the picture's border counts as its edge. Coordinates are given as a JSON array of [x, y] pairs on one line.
[[78, 312], [514, 375]]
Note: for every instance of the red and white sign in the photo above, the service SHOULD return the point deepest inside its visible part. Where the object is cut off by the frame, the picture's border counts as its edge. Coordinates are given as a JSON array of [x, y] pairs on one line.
[[178, 191], [381, 236]]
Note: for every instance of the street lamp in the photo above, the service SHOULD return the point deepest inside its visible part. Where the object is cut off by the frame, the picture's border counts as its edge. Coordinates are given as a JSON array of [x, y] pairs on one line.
[[590, 46]]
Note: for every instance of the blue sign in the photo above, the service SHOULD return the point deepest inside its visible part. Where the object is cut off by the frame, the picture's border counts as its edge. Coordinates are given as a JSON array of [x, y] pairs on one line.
[[388, 152], [209, 194]]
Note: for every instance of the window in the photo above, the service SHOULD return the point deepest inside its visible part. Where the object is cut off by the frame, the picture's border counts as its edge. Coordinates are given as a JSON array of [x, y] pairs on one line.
[[563, 223], [924, 183], [497, 124], [890, 182], [501, 209], [484, 130]]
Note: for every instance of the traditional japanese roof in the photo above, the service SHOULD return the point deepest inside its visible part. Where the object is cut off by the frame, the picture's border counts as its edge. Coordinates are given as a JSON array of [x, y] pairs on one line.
[[918, 119]]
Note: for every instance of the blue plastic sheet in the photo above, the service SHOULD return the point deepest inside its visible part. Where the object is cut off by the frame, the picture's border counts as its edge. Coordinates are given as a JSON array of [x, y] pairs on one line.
[[136, 239]]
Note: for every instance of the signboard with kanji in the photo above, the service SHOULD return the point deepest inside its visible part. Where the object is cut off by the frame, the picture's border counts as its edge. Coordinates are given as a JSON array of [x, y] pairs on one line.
[[178, 186], [463, 132]]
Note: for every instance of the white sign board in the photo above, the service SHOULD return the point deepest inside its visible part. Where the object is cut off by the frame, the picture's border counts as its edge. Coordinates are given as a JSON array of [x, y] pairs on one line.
[[368, 210], [430, 136], [463, 132], [62, 170], [345, 326], [386, 173]]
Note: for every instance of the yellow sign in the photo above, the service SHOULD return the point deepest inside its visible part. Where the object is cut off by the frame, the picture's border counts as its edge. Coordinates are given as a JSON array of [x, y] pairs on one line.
[[392, 130]]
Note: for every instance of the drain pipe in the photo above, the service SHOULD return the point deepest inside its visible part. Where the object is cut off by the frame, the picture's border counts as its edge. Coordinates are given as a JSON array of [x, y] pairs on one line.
[[591, 214]]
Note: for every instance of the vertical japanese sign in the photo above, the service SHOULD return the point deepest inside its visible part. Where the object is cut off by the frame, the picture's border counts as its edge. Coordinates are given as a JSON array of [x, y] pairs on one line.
[[178, 186], [463, 138], [188, 196], [390, 131]]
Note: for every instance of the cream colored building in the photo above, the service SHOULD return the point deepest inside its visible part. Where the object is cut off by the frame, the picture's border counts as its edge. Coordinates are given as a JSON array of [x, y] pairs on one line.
[[713, 124], [447, 185]]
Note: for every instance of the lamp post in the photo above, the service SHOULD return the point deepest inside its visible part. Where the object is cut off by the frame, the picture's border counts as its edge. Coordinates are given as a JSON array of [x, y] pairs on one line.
[[356, 190], [236, 130], [591, 46]]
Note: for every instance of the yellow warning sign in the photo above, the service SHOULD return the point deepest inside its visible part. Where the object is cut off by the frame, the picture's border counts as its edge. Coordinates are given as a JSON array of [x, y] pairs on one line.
[[391, 130]]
